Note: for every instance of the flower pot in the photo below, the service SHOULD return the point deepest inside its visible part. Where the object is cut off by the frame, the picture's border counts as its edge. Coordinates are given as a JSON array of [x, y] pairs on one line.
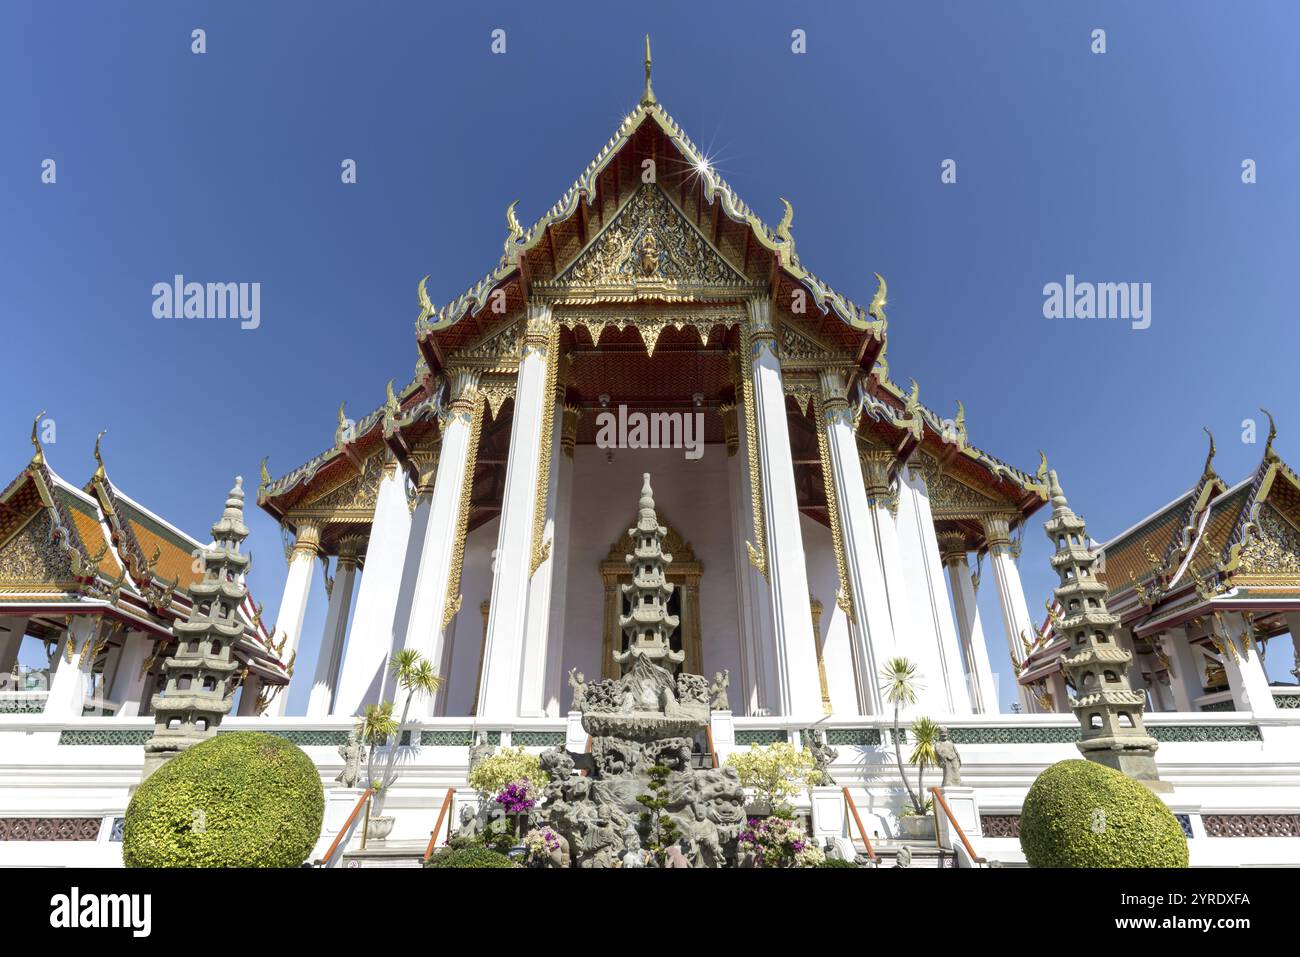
[[916, 827], [379, 828]]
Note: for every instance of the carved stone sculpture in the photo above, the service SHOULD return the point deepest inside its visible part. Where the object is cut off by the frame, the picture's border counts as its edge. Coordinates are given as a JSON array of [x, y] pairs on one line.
[[822, 753], [479, 750], [351, 755], [718, 700], [647, 717], [578, 684], [949, 759]]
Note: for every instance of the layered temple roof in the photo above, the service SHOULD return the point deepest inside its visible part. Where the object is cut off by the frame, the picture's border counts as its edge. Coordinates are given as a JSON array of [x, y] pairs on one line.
[[627, 332], [1213, 547], [93, 550]]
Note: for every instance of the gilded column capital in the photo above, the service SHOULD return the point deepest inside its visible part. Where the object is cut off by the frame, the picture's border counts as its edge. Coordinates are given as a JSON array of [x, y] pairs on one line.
[[876, 464], [425, 461], [537, 329], [834, 396], [390, 465], [762, 332], [952, 547], [350, 548], [569, 429], [997, 531], [307, 537], [462, 390], [730, 426]]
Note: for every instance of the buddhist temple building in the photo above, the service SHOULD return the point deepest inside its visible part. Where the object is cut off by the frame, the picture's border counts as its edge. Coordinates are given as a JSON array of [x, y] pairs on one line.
[[812, 519], [1202, 587], [98, 579]]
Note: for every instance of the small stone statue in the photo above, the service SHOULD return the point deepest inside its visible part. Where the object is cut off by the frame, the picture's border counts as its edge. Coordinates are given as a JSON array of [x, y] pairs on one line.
[[822, 753], [479, 750], [718, 700], [675, 856], [633, 856], [469, 823], [578, 682], [351, 755], [904, 857], [949, 759]]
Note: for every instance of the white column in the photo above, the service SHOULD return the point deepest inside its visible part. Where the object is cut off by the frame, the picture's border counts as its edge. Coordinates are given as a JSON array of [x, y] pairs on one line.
[[759, 691], [533, 679], [872, 628], [1011, 596], [129, 676], [787, 570], [293, 604], [1245, 670], [371, 637], [883, 503], [12, 631], [67, 697], [932, 613], [559, 561], [1186, 666], [330, 658], [503, 647], [437, 521], [1293, 625], [983, 687]]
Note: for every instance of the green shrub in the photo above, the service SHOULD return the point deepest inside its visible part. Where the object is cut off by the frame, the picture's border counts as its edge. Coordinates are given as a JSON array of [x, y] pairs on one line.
[[239, 799], [473, 856], [1082, 814], [836, 862]]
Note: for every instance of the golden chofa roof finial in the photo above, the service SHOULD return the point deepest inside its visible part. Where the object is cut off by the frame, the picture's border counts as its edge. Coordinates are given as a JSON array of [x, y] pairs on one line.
[[648, 95], [99, 459], [39, 457]]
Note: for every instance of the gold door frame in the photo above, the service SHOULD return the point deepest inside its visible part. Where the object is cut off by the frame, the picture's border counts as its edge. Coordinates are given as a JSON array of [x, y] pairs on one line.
[[684, 572]]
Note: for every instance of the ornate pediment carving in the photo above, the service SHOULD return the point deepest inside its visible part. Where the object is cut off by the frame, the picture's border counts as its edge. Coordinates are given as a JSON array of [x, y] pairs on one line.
[[33, 558], [352, 500], [1273, 550], [649, 243]]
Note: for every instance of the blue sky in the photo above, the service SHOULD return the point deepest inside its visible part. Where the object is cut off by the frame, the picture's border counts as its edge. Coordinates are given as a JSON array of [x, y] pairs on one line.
[[1118, 167]]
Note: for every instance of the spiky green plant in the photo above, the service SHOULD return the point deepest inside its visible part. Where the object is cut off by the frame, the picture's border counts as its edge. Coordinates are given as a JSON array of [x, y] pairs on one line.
[[925, 735], [414, 675], [900, 680]]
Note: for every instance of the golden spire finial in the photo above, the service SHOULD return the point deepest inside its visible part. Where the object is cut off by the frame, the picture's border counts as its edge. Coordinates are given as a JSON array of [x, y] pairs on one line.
[[1272, 433], [99, 459], [877, 308], [39, 457], [1209, 469], [648, 96]]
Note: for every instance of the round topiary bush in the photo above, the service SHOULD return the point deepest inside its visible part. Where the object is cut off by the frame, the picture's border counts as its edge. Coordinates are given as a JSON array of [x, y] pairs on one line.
[[239, 799], [1082, 814], [837, 862], [474, 856]]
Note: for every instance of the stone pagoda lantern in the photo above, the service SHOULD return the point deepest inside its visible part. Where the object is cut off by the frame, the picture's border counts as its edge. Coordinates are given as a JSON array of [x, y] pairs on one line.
[[1109, 710], [200, 676]]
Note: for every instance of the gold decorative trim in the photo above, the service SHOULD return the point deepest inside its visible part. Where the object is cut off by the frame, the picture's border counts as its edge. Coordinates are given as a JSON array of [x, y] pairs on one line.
[[462, 516], [542, 549], [816, 606], [844, 597], [757, 549]]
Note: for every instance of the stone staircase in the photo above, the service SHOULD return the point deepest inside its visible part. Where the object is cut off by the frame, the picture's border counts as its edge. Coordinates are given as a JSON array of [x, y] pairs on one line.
[[386, 854]]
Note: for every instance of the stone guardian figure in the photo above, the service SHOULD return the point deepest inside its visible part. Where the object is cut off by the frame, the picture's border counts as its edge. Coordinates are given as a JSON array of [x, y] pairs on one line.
[[949, 759]]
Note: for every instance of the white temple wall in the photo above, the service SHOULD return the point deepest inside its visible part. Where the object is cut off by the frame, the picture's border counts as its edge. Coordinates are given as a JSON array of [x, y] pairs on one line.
[[694, 497], [834, 631], [467, 628]]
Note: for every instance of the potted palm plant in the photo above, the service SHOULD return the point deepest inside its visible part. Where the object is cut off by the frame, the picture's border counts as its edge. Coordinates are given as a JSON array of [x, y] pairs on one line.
[[900, 680], [415, 676]]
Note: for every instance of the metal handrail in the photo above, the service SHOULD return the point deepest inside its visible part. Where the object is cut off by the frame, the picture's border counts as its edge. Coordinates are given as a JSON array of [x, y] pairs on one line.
[[346, 829], [437, 828], [862, 831], [941, 802], [713, 751]]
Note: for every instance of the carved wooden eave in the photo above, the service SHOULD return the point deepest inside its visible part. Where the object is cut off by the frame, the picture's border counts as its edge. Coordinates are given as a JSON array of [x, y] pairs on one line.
[[540, 261], [344, 458], [345, 508]]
